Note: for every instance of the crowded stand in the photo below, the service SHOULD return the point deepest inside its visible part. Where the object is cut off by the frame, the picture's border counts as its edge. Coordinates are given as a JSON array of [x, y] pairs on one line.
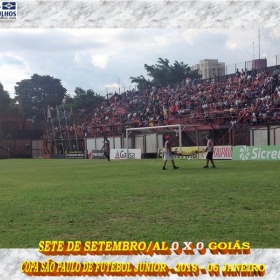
[[245, 98]]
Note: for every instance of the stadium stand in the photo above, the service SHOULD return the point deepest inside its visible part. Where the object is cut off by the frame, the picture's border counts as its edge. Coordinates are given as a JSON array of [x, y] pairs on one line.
[[225, 106], [246, 98]]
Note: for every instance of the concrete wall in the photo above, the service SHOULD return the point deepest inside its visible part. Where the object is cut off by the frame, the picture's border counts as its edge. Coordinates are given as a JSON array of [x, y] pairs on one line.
[[259, 136]]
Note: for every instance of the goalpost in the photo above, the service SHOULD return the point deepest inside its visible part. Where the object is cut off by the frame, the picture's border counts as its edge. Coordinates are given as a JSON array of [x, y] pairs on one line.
[[156, 129], [151, 128]]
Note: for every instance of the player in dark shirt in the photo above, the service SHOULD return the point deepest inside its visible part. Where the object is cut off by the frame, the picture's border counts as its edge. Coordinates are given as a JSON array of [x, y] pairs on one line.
[[106, 148]]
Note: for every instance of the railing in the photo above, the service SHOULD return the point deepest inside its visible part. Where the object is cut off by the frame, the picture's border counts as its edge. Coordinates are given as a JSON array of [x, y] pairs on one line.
[[207, 118], [270, 62]]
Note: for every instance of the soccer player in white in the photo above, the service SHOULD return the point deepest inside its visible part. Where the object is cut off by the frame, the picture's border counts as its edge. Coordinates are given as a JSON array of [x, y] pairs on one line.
[[167, 154], [210, 152]]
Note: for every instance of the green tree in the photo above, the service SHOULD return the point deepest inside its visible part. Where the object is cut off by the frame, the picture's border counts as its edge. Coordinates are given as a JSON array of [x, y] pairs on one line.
[[165, 74], [37, 93], [80, 104], [5, 101], [141, 82], [86, 99]]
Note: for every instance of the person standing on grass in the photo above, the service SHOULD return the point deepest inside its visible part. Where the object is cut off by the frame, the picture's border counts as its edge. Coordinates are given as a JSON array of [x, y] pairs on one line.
[[210, 151], [167, 154], [106, 148]]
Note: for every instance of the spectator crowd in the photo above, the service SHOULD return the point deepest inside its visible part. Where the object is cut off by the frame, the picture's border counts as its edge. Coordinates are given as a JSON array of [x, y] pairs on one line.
[[246, 98]]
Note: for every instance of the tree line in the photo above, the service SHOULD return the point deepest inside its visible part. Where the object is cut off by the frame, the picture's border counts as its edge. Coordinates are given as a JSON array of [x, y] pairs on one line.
[[33, 95], [164, 74]]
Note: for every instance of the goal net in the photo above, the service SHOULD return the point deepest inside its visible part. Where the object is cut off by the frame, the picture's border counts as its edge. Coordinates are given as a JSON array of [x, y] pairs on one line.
[[151, 139], [158, 131]]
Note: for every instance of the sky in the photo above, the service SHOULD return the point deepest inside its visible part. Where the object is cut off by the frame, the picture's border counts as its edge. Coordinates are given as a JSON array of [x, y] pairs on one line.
[[105, 59]]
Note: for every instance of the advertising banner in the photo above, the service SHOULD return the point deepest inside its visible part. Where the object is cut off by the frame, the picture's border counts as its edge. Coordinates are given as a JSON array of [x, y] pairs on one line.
[[122, 154], [256, 153], [76, 155], [97, 154], [186, 152], [220, 152]]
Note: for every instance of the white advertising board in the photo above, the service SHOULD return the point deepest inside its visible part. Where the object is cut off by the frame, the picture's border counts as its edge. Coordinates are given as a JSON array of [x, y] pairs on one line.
[[122, 154]]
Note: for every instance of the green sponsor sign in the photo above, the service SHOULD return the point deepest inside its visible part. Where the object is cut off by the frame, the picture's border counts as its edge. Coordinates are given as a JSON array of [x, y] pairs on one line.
[[256, 153]]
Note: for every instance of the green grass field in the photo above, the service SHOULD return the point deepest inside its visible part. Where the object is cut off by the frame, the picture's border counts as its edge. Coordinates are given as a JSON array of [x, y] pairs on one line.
[[136, 200]]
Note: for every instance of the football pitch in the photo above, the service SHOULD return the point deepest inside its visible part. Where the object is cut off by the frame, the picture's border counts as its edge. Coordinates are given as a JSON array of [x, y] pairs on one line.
[[135, 200]]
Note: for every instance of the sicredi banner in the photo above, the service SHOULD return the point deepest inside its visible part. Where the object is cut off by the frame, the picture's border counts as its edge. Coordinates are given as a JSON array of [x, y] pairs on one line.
[[124, 153], [256, 153]]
